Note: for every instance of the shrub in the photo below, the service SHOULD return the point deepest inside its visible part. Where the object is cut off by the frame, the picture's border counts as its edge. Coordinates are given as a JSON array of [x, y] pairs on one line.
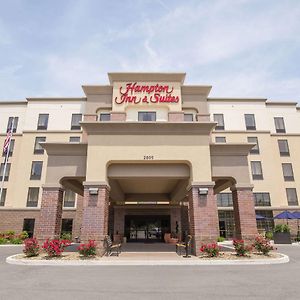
[[3, 241], [262, 245], [23, 235], [55, 247], [88, 249], [269, 235], [31, 247], [240, 248], [282, 228], [16, 241], [66, 236], [221, 239], [212, 250]]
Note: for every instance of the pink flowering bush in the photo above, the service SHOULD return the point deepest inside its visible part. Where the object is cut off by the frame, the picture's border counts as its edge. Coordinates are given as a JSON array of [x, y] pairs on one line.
[[212, 250], [88, 249], [262, 245], [55, 247], [241, 248], [31, 247]]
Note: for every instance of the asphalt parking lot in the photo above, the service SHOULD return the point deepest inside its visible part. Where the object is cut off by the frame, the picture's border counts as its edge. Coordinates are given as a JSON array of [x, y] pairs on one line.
[[151, 282]]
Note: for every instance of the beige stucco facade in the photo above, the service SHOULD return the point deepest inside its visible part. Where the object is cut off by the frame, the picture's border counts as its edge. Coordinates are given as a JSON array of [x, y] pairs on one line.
[[155, 161]]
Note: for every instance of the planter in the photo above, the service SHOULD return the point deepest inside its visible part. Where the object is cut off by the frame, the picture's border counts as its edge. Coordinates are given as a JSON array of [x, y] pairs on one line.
[[282, 238]]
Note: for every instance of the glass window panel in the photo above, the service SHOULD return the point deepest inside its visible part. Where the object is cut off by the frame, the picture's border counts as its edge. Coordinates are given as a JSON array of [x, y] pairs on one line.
[[74, 139], [11, 148], [12, 123], [220, 139], [147, 116], [33, 197], [279, 124], [104, 117], [256, 170], [28, 226], [250, 122], [36, 170], [188, 117], [69, 198], [288, 173], [219, 118], [3, 197], [283, 148], [7, 171], [292, 198], [43, 121], [37, 147], [253, 140], [76, 118]]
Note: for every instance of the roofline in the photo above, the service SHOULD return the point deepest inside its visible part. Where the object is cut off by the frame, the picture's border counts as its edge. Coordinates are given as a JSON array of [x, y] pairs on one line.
[[56, 99], [282, 103], [13, 102], [238, 99]]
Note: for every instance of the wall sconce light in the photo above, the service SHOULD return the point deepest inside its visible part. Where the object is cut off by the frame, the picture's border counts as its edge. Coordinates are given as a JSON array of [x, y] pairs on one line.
[[203, 191], [93, 191]]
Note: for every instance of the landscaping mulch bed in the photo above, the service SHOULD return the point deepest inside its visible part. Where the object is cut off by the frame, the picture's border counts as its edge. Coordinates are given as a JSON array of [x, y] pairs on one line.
[[233, 256], [64, 256]]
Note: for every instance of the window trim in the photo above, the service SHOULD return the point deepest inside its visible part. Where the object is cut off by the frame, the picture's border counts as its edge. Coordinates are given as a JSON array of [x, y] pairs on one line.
[[147, 112]]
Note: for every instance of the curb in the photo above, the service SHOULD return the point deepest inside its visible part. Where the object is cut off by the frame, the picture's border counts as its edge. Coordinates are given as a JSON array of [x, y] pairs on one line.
[[111, 262]]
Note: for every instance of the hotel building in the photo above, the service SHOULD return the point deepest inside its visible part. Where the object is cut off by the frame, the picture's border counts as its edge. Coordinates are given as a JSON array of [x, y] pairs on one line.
[[147, 155]]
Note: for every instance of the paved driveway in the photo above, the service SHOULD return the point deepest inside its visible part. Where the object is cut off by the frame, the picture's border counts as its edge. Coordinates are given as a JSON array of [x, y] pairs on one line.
[[151, 282]]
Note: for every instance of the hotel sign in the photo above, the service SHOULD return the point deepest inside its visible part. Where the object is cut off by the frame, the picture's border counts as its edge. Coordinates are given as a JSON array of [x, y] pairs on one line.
[[141, 93]]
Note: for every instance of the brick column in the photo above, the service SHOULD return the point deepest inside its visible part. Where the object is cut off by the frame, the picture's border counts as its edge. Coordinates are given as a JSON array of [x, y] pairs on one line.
[[244, 213], [95, 214], [78, 217], [175, 213], [203, 215], [49, 223]]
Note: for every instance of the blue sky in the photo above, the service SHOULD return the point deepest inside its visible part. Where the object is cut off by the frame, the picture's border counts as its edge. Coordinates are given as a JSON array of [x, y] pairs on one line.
[[243, 48]]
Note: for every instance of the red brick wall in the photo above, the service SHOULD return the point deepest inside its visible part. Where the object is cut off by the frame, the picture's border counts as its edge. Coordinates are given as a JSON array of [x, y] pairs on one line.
[[244, 214], [204, 220]]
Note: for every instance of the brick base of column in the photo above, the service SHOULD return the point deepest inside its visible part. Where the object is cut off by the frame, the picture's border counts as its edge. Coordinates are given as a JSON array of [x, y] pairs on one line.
[[78, 217], [244, 214], [49, 223], [204, 220], [95, 216]]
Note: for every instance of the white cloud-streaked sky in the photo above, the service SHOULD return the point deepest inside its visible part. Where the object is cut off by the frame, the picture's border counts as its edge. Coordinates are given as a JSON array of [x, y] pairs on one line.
[[243, 48]]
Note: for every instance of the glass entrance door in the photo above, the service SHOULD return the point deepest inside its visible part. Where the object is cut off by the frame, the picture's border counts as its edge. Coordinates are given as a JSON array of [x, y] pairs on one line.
[[146, 228]]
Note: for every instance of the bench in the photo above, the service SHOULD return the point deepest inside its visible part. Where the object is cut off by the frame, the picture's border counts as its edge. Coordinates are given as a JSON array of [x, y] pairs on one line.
[[111, 247], [186, 246]]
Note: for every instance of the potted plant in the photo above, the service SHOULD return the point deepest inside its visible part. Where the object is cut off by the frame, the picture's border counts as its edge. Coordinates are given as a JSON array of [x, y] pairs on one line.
[[282, 234]]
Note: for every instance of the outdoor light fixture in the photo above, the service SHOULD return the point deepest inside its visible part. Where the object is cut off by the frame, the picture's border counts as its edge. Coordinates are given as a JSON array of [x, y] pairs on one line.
[[203, 191], [93, 191]]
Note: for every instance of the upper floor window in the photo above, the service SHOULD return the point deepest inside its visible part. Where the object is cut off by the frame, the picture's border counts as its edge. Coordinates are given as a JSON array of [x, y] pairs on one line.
[[33, 197], [69, 199], [12, 124], [256, 169], [188, 117], [43, 121], [38, 149], [219, 118], [283, 148], [224, 200], [11, 148], [262, 199], [3, 197], [104, 117], [76, 118], [74, 139], [250, 122], [147, 116], [291, 194], [7, 171], [279, 125], [288, 173], [253, 140], [36, 170], [220, 139]]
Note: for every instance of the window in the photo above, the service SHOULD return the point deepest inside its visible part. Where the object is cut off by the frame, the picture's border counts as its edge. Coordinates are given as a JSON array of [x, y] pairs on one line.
[[262, 199], [288, 173], [43, 122], [6, 176], [219, 118], [74, 139], [33, 197], [76, 118], [256, 170], [291, 195], [28, 226], [283, 148], [146, 116], [69, 199], [11, 148], [66, 225], [12, 123], [279, 125], [265, 224], [220, 139], [104, 117], [36, 170], [253, 140], [3, 197], [188, 117], [250, 122], [37, 147], [224, 200]]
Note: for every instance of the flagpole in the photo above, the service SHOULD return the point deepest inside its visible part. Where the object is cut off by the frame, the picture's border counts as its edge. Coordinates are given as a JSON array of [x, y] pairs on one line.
[[6, 158]]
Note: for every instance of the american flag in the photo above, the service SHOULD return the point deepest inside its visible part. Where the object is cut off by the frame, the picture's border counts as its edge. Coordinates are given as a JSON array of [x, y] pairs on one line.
[[7, 141]]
